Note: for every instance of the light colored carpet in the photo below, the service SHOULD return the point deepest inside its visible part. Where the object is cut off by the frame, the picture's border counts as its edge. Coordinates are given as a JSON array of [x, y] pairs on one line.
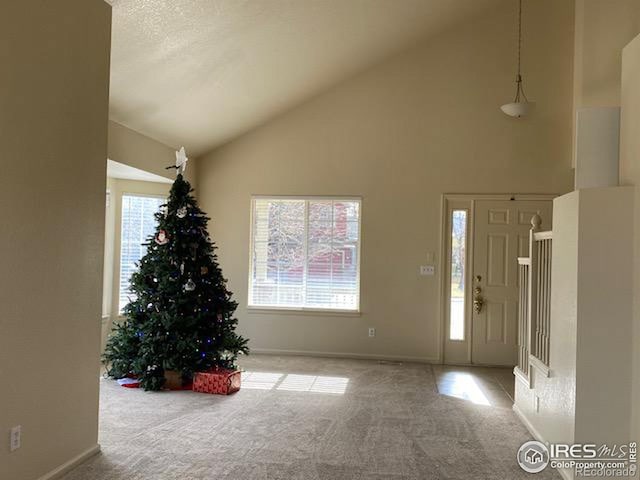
[[300, 418]]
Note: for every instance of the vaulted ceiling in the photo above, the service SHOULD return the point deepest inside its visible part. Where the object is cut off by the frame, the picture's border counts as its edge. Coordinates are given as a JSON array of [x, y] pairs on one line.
[[200, 72]]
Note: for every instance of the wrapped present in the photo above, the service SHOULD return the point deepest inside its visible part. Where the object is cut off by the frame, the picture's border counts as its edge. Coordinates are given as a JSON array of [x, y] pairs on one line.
[[218, 380]]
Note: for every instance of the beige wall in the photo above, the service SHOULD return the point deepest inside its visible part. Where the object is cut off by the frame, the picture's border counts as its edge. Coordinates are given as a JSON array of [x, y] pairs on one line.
[[136, 150], [113, 231], [630, 175], [602, 29], [53, 144], [630, 115], [400, 135]]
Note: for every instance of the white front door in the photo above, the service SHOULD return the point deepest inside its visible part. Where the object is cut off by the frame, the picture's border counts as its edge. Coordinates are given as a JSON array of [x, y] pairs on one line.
[[500, 236], [483, 237]]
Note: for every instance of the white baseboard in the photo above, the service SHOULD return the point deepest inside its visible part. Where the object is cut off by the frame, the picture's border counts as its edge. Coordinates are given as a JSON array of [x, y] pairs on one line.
[[536, 434], [71, 464], [532, 430], [361, 356]]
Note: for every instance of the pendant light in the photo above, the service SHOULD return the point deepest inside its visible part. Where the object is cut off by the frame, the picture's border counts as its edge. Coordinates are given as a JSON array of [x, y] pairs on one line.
[[520, 105]]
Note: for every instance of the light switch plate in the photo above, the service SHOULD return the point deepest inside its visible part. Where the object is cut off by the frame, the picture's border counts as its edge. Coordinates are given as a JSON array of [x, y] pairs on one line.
[[427, 270], [15, 440]]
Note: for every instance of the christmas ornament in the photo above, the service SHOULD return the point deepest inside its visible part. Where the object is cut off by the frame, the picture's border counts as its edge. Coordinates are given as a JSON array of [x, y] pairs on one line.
[[182, 212], [164, 210], [162, 238], [204, 270], [182, 269], [190, 286]]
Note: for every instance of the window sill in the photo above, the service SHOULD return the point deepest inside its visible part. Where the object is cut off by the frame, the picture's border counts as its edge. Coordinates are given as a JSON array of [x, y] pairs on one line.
[[317, 312]]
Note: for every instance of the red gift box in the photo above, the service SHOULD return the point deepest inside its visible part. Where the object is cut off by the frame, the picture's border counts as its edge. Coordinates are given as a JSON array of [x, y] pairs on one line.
[[219, 380]]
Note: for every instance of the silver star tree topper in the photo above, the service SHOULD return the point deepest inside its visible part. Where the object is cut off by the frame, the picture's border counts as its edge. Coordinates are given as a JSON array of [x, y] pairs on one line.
[[181, 160]]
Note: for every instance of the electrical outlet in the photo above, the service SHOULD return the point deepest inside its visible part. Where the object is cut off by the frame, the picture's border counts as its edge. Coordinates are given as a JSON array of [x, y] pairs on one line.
[[372, 332], [16, 440]]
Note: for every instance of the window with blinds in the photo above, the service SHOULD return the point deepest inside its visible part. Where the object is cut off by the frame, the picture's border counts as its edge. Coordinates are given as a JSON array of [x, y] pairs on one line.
[[138, 224], [305, 253]]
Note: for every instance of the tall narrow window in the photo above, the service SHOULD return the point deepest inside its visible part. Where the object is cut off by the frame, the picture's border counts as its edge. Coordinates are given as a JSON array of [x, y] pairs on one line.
[[458, 274], [305, 253], [138, 225]]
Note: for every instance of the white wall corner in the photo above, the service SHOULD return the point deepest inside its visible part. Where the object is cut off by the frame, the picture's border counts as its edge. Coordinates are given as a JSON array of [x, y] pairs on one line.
[[597, 147]]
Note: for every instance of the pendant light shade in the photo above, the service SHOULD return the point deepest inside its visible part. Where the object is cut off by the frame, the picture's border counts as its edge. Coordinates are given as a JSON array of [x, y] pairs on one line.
[[517, 109], [520, 106]]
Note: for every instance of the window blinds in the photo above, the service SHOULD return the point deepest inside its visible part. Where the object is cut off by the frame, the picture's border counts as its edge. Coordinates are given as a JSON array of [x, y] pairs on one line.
[[305, 253], [138, 224]]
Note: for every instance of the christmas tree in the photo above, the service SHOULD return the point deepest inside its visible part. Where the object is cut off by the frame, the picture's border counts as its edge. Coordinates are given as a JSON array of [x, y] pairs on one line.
[[180, 316]]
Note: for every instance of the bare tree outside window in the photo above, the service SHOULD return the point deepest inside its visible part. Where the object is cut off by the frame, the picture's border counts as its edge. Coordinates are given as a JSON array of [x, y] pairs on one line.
[[305, 253]]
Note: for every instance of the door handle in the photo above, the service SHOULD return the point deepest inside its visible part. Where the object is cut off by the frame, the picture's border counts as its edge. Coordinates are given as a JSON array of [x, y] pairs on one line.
[[478, 301]]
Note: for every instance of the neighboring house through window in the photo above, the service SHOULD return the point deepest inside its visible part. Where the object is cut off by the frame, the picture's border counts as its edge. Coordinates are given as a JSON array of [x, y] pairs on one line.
[[138, 225], [305, 253]]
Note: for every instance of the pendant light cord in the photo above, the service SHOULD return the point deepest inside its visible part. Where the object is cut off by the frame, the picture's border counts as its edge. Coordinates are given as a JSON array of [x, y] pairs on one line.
[[519, 89], [519, 35]]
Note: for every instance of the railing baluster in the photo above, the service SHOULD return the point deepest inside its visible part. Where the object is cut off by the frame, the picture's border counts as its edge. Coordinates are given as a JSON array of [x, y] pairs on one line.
[[534, 311], [548, 309], [523, 304], [543, 309], [532, 315], [525, 326], [542, 294], [546, 301]]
